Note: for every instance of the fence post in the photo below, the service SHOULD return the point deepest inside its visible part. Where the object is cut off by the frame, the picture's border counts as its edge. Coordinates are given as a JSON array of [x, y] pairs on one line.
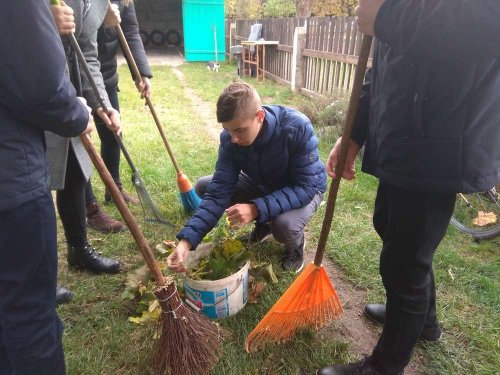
[[232, 31], [299, 44]]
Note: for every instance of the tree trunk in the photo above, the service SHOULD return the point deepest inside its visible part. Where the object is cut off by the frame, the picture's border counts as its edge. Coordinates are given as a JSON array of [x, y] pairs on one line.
[[303, 8]]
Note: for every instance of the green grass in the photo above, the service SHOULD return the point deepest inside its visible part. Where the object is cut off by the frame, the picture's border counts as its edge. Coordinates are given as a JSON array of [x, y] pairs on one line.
[[98, 338]]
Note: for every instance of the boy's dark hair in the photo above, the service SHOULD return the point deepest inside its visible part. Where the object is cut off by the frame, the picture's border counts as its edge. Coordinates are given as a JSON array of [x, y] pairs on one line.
[[238, 100]]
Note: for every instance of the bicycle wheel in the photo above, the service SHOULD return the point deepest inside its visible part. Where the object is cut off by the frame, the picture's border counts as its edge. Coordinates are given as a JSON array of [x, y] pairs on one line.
[[478, 214]]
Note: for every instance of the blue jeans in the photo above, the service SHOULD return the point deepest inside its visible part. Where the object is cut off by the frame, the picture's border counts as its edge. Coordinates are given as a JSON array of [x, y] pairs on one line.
[[287, 228], [411, 225], [30, 329]]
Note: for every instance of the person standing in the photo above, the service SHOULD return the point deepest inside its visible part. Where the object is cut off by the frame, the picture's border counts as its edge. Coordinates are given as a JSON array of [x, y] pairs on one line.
[[107, 40], [35, 95], [69, 165], [429, 118]]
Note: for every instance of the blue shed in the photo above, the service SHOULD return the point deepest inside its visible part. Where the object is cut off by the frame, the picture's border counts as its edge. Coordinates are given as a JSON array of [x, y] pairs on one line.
[[203, 30], [185, 26]]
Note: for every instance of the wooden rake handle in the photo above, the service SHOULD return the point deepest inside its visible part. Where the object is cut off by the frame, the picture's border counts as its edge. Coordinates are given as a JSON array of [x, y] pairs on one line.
[[364, 53], [124, 211], [137, 74]]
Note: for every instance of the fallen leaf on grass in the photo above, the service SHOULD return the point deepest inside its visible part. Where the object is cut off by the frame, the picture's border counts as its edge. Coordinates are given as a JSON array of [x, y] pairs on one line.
[[257, 288], [484, 218]]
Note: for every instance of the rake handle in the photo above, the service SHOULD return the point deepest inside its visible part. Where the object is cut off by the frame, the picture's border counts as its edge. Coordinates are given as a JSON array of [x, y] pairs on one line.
[[137, 74], [124, 211], [346, 136]]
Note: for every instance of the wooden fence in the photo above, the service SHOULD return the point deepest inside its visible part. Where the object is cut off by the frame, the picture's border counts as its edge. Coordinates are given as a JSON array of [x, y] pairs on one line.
[[316, 56]]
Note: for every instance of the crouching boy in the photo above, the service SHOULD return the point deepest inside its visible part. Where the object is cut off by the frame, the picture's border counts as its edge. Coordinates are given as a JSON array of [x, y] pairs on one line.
[[268, 171]]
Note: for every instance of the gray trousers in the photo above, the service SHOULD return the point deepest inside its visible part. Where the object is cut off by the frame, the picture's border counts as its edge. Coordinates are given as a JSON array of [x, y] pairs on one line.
[[287, 228]]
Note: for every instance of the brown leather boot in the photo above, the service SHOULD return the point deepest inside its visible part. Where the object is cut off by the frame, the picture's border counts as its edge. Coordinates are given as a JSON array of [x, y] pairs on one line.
[[128, 198], [98, 220]]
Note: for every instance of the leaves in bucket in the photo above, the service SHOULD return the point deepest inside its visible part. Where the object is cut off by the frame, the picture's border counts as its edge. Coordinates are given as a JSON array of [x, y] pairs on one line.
[[228, 254]]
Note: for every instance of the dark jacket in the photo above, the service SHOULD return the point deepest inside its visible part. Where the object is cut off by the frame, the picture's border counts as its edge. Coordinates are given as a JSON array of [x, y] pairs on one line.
[[283, 160], [430, 110], [35, 95], [107, 40]]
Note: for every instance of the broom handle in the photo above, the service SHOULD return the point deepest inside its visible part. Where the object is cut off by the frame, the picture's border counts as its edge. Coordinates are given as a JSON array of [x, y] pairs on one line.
[[346, 136], [137, 74], [110, 183], [124, 211]]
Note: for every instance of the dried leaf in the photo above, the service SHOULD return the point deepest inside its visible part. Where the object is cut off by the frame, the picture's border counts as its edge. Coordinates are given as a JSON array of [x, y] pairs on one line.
[[484, 218], [266, 272], [257, 289]]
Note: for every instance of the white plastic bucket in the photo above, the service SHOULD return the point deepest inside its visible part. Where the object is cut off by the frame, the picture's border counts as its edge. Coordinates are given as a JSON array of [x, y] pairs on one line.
[[217, 298]]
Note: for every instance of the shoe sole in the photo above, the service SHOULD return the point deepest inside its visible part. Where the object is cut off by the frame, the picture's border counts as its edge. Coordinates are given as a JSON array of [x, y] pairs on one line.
[[83, 268], [123, 229]]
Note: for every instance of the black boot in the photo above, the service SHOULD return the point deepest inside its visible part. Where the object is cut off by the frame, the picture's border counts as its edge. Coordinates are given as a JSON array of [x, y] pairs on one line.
[[86, 257], [376, 312], [63, 295]]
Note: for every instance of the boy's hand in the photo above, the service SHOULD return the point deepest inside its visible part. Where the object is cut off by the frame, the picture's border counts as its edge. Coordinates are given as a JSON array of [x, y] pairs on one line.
[[176, 259], [112, 18], [144, 87], [241, 214], [366, 13], [64, 18], [111, 119], [349, 171]]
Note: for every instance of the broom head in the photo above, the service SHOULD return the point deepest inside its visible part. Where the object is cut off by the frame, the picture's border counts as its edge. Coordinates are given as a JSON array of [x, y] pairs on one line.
[[190, 200], [189, 343], [310, 302]]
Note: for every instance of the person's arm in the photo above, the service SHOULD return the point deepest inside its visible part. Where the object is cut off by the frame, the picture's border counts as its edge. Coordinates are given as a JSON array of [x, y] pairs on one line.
[[33, 82], [443, 30], [308, 177], [215, 200], [130, 29], [89, 50], [110, 117], [360, 128]]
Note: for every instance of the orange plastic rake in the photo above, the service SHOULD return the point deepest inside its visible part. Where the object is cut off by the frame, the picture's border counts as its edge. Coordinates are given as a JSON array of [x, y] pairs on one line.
[[311, 300]]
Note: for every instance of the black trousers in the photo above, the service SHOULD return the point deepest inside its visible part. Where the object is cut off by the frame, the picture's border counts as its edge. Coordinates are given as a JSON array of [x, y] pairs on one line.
[[71, 202], [30, 329], [411, 225], [110, 150]]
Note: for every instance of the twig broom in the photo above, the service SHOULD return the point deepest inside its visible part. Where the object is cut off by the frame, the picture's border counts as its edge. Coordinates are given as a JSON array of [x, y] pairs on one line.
[[189, 199], [189, 343], [311, 300]]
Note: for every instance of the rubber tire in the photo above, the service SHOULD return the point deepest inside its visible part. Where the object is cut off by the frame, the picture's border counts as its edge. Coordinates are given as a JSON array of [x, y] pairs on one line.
[[157, 34], [168, 37]]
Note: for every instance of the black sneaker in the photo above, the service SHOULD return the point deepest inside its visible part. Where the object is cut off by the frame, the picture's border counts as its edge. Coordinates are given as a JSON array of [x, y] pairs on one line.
[[293, 260], [260, 233]]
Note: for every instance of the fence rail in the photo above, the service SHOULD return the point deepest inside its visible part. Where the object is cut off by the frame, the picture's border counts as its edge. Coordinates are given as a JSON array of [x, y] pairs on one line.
[[316, 55]]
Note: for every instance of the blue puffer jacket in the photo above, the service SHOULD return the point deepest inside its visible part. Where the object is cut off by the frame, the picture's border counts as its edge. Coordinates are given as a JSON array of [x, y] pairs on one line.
[[283, 160]]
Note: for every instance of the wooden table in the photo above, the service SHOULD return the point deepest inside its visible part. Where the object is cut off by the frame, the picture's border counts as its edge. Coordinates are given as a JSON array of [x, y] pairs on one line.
[[259, 60]]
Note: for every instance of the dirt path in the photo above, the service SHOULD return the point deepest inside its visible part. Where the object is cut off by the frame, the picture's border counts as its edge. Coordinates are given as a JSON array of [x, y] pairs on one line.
[[353, 327], [204, 109]]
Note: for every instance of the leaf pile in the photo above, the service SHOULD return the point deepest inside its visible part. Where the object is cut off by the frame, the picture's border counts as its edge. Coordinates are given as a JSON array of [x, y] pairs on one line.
[[228, 254]]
